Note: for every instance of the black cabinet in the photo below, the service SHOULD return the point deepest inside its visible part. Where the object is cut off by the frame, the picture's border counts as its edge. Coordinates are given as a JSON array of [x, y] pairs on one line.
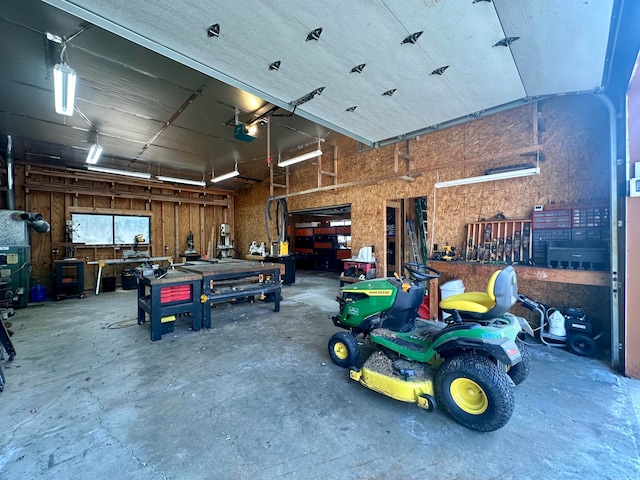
[[69, 275], [289, 262], [322, 248]]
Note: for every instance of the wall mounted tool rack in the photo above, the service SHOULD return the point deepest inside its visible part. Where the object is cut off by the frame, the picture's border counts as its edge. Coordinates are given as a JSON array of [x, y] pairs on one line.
[[499, 241]]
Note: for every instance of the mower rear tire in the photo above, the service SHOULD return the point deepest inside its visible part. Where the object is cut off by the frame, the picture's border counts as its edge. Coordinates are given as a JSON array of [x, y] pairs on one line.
[[475, 392], [344, 349], [520, 371]]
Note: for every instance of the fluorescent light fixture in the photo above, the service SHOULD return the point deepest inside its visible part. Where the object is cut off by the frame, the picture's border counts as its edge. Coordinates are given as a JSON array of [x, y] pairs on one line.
[[300, 158], [226, 176], [198, 183], [126, 173], [64, 88], [94, 154], [489, 178]]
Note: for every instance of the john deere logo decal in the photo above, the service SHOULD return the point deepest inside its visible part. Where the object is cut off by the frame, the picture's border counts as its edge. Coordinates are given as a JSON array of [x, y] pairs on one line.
[[378, 293], [353, 311]]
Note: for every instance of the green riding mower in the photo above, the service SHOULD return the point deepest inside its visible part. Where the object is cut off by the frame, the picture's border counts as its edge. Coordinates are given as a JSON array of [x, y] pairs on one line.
[[467, 365]]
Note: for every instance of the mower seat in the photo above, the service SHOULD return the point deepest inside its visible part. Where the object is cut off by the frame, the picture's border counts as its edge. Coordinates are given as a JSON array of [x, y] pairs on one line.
[[501, 294]]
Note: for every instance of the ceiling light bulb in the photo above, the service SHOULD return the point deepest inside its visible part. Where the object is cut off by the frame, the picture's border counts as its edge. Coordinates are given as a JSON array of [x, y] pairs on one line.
[[198, 183], [300, 158], [94, 154], [226, 176], [64, 88], [252, 130], [489, 178], [126, 173]]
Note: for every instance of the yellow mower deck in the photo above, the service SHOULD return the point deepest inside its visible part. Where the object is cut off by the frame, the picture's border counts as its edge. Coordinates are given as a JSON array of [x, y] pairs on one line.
[[378, 374]]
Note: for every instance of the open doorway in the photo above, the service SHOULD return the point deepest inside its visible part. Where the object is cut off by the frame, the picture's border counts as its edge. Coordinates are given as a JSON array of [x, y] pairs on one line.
[[406, 233], [321, 237], [394, 236]]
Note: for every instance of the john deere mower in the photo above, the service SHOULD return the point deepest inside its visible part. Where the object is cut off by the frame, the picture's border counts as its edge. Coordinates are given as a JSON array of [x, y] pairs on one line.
[[467, 365]]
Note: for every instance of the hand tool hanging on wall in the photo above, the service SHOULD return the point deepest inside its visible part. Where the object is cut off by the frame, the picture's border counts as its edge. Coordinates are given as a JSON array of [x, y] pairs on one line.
[[516, 247], [526, 234]]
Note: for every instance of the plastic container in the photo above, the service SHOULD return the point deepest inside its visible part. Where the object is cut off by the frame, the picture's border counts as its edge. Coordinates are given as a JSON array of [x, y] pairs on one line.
[[109, 284], [128, 279], [38, 293], [556, 324], [447, 289]]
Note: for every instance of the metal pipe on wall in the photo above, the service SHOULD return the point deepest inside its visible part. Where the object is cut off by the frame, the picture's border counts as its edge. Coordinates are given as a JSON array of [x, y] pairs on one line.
[[34, 220], [11, 194], [616, 345]]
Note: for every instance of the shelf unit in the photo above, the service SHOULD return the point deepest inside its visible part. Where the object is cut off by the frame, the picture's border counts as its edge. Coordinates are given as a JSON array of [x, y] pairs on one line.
[[580, 225], [69, 278], [320, 247]]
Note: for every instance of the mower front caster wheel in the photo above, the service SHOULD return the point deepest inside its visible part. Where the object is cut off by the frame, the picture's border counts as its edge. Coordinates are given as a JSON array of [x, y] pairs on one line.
[[344, 349]]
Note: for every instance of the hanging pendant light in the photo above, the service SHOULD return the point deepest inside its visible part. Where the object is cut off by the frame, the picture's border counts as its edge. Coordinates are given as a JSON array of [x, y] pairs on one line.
[[64, 85]]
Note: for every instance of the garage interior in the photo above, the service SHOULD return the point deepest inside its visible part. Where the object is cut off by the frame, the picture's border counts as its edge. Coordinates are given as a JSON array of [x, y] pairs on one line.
[[167, 301]]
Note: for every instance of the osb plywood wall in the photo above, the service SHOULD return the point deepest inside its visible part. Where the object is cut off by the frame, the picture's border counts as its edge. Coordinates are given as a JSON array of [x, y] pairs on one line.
[[573, 137], [174, 213]]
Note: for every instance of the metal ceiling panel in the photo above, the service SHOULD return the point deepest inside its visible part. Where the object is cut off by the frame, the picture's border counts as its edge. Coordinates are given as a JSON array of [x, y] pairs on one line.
[[127, 56], [208, 116], [562, 45], [167, 157], [18, 63], [195, 143], [25, 14], [19, 99], [20, 126], [110, 84]]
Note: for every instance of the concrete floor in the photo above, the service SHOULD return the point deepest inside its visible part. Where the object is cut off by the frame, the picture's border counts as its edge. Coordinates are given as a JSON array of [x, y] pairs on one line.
[[257, 397]]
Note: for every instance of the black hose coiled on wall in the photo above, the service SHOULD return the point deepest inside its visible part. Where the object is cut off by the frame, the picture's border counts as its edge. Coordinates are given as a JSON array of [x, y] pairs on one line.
[[282, 212]]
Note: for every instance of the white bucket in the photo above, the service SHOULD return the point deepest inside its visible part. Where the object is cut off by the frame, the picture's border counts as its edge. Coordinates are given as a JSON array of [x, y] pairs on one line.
[[447, 289], [556, 324]]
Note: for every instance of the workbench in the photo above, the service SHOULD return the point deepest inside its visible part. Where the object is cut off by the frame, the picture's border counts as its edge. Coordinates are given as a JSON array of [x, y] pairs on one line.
[[458, 269], [230, 279], [151, 291]]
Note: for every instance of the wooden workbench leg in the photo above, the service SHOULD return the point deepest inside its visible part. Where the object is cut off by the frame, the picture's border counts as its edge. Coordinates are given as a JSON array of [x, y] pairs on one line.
[[433, 299]]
